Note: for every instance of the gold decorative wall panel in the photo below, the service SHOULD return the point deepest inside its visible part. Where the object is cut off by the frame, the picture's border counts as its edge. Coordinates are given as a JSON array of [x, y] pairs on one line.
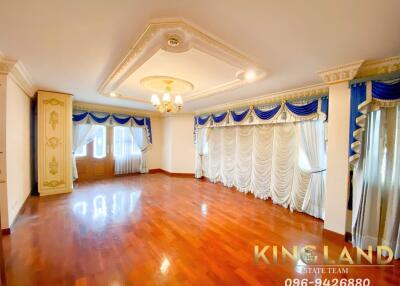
[[54, 142]]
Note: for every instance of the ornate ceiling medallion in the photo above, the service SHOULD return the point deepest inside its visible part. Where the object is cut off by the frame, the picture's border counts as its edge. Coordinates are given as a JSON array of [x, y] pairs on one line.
[[158, 83], [177, 49]]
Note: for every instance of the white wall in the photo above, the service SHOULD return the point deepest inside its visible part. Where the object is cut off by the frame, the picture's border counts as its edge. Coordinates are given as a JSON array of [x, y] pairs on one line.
[[18, 144], [178, 151], [155, 152], [337, 158]]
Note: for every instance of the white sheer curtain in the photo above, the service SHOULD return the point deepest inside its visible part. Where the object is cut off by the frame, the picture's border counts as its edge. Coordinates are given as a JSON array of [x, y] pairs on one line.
[[376, 183], [313, 163], [82, 135], [264, 160], [126, 153], [140, 138], [201, 149]]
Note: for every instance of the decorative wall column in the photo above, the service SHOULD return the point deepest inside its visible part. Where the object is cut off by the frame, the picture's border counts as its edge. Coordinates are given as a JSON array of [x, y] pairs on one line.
[[337, 179], [54, 143]]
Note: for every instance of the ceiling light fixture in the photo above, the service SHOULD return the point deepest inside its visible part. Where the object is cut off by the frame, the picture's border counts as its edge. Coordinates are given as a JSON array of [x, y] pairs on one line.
[[250, 75], [113, 94], [166, 104]]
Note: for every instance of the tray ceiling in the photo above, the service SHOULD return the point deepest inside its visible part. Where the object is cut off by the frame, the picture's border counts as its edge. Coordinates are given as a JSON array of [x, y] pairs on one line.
[[174, 48]]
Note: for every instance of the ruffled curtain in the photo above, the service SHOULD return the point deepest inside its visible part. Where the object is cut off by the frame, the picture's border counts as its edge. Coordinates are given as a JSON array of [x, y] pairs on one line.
[[82, 135], [141, 140], [376, 183], [264, 160]]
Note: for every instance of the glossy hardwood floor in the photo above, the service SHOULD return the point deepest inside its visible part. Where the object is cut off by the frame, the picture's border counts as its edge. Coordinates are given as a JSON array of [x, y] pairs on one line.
[[159, 230]]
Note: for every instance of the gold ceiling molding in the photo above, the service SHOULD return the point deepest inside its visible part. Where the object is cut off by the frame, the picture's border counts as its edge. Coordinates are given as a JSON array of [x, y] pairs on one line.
[[85, 106], [18, 73], [176, 35], [341, 73], [377, 67], [312, 91]]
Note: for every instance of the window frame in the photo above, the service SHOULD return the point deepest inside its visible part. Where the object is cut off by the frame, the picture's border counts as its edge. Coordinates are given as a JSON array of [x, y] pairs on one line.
[[84, 154], [104, 137]]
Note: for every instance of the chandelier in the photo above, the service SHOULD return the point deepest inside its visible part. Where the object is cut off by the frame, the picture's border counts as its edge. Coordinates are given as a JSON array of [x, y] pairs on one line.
[[166, 104], [167, 92]]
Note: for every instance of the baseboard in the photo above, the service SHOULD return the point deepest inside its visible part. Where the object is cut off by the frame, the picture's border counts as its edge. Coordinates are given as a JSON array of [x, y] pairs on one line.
[[348, 236], [179, 175], [6, 231], [332, 235], [59, 192]]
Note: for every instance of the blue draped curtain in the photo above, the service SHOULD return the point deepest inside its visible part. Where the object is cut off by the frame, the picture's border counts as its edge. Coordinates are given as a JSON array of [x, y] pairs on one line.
[[202, 120], [378, 94], [121, 120], [239, 116], [219, 118], [268, 114], [305, 109], [99, 119]]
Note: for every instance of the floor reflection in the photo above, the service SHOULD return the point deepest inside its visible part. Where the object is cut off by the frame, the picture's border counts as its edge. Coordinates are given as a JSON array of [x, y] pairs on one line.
[[204, 209], [116, 205], [165, 265]]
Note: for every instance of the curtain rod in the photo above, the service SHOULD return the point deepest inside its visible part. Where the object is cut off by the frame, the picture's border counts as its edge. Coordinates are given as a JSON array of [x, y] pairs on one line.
[[388, 76]]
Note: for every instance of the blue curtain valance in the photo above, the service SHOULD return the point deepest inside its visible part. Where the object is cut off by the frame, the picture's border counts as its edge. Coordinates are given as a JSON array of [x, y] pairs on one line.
[[303, 110], [79, 117], [268, 114], [298, 111], [219, 118], [202, 120], [99, 119], [121, 120], [239, 116], [366, 97], [87, 117]]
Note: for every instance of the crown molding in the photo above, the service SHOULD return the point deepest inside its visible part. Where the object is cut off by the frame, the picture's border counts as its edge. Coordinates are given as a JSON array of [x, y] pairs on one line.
[[311, 91], [80, 105], [377, 67], [155, 37], [18, 73], [341, 73]]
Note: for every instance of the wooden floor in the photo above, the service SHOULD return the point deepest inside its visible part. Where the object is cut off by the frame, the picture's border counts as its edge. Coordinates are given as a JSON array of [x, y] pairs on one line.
[[160, 230]]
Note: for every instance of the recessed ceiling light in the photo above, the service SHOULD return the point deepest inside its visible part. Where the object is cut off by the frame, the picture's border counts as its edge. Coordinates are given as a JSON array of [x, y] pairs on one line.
[[250, 75], [113, 94]]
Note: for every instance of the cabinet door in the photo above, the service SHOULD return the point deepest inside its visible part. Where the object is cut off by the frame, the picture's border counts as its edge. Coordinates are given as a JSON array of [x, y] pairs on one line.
[[54, 143]]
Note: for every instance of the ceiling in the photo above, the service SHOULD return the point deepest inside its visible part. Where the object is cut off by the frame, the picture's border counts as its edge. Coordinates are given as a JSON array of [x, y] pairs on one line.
[[72, 46], [200, 69]]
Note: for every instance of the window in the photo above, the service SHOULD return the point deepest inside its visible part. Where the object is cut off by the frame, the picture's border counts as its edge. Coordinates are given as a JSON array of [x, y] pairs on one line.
[[81, 152], [124, 144], [100, 142]]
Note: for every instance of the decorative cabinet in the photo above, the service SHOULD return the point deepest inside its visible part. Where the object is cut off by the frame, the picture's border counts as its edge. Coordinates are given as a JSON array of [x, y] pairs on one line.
[[54, 125]]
